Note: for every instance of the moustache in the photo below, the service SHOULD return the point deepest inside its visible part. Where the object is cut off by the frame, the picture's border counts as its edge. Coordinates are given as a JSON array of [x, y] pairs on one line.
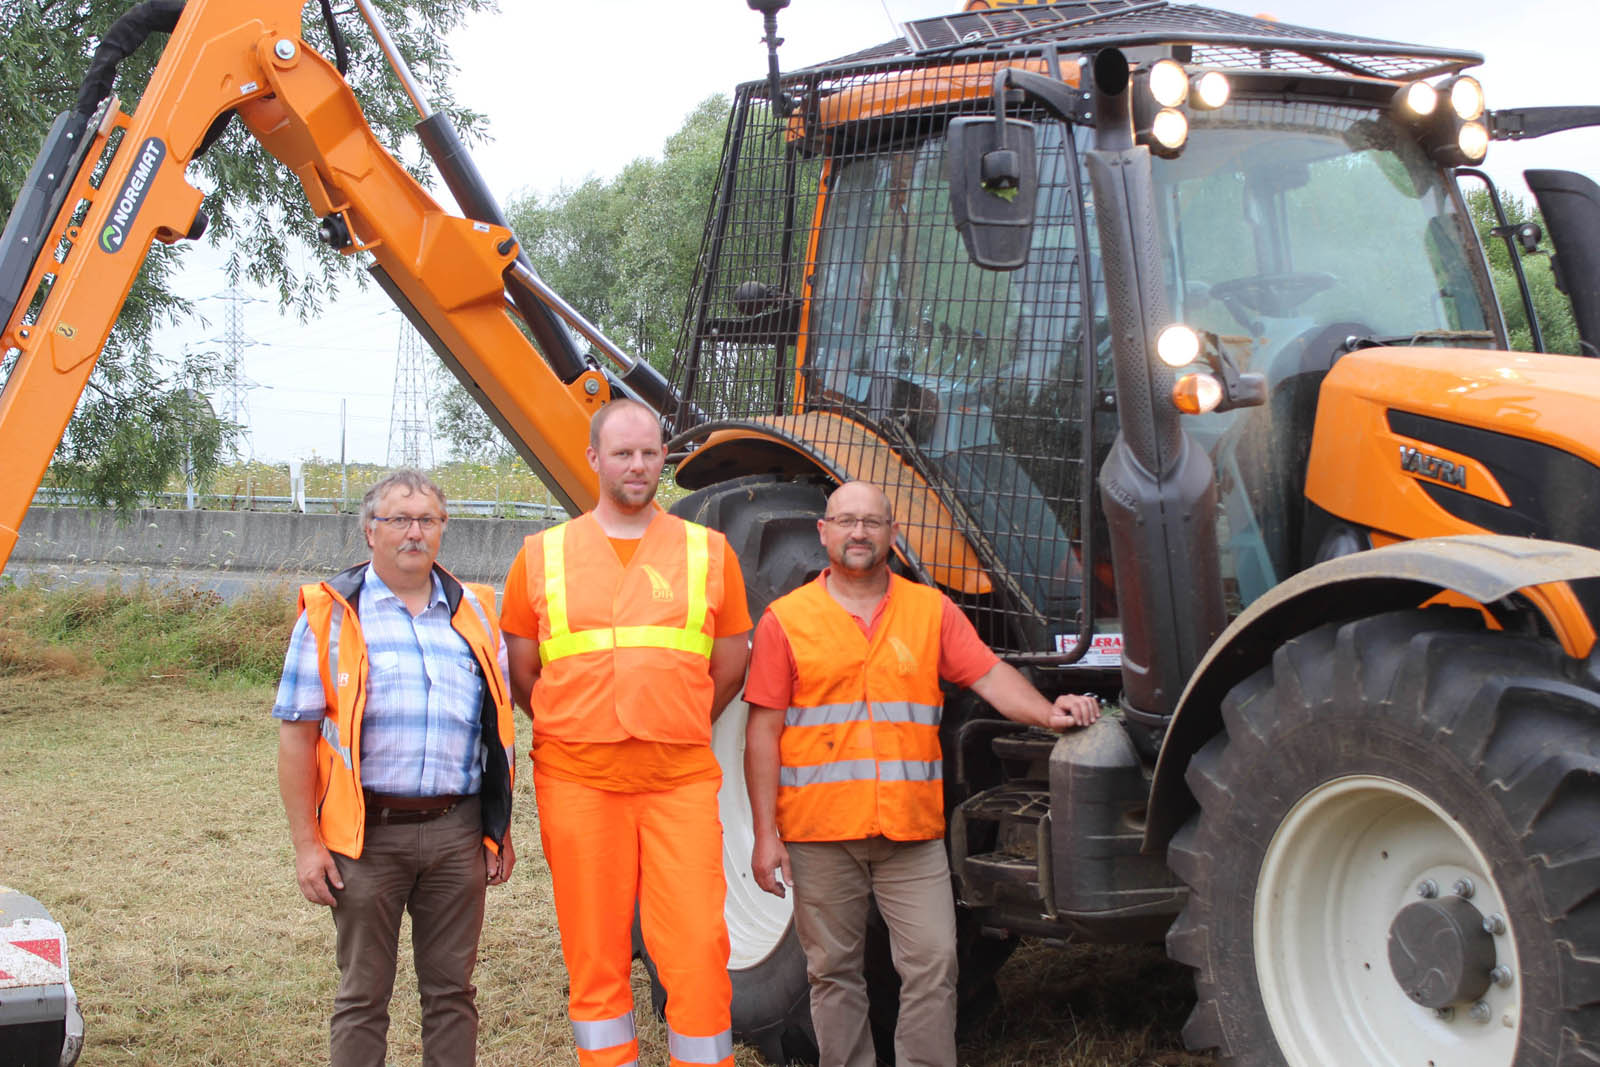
[[413, 546]]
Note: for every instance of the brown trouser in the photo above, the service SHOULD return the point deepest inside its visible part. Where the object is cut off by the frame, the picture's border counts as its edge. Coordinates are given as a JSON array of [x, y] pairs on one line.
[[436, 871], [834, 882]]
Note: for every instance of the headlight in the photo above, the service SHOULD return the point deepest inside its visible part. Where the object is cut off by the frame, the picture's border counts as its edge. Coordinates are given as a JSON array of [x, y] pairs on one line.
[[1209, 90], [1416, 101], [1466, 98], [1196, 394], [1177, 345], [1473, 140], [1170, 128], [1169, 84]]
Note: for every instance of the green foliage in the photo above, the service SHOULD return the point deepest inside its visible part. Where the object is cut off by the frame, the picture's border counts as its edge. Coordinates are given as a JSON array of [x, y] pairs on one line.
[[622, 251], [144, 633], [1551, 306], [124, 437]]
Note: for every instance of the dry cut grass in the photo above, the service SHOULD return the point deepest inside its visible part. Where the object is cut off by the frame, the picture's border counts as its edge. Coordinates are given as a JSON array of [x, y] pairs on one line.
[[146, 818]]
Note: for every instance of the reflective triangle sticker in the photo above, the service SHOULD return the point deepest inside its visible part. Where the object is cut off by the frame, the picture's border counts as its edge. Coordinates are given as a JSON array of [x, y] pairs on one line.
[[46, 949]]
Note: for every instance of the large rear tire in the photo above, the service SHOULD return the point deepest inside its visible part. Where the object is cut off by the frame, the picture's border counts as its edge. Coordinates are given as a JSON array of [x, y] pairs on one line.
[[1395, 859]]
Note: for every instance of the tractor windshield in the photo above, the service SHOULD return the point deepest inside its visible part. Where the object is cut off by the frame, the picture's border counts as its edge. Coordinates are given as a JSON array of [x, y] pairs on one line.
[[1286, 217], [1287, 227]]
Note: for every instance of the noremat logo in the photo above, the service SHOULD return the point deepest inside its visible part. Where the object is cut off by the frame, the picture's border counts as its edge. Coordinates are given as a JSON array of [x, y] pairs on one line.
[[131, 198], [1433, 467]]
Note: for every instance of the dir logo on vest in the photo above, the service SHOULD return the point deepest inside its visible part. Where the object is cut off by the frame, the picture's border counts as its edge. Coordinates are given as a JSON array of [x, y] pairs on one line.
[[660, 588], [134, 190]]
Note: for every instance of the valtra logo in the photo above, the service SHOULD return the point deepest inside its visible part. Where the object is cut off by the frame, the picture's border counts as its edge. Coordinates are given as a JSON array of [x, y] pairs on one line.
[[131, 198]]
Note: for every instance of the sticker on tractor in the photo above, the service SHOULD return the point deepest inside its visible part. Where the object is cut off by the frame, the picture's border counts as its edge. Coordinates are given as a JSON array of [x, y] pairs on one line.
[[134, 190], [1105, 650], [31, 954]]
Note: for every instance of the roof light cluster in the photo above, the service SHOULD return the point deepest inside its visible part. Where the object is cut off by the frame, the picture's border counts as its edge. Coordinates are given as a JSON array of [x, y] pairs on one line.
[[1448, 118], [1163, 95]]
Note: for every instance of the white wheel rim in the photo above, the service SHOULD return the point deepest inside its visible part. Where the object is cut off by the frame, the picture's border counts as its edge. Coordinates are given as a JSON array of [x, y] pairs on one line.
[[1347, 858], [756, 919]]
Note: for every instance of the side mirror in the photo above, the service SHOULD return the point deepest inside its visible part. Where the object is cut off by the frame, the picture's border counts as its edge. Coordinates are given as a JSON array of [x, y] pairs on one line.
[[994, 181]]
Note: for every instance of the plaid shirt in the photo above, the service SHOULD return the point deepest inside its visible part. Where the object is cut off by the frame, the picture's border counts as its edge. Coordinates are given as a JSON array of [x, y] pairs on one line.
[[420, 733]]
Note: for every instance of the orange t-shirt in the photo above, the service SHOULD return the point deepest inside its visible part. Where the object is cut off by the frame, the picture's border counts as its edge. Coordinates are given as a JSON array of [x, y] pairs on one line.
[[963, 657], [631, 766]]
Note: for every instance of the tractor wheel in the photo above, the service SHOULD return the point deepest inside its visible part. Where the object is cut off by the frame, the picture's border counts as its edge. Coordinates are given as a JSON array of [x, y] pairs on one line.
[[1395, 859], [772, 526]]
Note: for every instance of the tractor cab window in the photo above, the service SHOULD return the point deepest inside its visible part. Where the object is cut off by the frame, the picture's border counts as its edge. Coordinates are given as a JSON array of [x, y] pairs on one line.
[[977, 374]]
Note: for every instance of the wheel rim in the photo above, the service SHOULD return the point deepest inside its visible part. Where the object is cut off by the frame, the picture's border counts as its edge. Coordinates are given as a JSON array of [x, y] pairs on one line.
[[756, 920], [1345, 861]]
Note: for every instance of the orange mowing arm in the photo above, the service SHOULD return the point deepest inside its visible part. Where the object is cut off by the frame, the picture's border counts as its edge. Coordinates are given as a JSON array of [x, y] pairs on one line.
[[249, 56]]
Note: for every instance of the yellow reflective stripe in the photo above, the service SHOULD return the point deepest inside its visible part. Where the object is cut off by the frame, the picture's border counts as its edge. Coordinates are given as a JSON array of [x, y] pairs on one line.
[[563, 642], [668, 637], [664, 637], [699, 563], [555, 580], [574, 644]]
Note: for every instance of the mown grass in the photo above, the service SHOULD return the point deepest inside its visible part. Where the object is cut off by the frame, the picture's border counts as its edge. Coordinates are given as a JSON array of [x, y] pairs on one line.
[[138, 800]]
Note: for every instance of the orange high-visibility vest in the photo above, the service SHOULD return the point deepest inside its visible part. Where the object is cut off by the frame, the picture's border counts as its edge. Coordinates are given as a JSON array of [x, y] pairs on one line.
[[625, 651], [859, 752], [342, 650]]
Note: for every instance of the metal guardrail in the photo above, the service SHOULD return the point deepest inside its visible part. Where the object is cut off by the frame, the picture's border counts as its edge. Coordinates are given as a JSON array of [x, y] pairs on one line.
[[314, 505]]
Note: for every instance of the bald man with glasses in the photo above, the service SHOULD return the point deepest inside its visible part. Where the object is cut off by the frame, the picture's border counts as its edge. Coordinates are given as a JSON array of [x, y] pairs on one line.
[[845, 774]]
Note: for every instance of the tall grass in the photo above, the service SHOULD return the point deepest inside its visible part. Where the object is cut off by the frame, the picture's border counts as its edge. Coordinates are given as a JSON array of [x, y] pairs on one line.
[[144, 632]]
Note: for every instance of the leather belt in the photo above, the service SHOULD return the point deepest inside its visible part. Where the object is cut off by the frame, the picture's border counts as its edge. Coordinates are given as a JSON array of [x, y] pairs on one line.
[[385, 810]]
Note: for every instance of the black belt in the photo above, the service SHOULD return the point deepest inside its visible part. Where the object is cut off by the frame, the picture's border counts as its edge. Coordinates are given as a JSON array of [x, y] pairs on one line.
[[387, 810]]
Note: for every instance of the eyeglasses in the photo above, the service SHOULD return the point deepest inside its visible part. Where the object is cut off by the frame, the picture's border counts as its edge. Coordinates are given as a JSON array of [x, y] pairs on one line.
[[403, 522], [870, 523]]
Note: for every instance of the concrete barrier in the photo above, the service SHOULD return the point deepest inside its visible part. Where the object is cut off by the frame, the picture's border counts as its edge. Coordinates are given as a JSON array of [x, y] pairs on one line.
[[291, 546]]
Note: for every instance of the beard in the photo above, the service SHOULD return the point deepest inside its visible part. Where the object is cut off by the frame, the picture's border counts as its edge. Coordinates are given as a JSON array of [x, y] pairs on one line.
[[629, 499], [858, 557]]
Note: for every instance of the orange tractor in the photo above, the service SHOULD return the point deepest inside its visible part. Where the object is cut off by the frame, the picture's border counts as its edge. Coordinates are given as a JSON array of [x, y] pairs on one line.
[[1168, 334]]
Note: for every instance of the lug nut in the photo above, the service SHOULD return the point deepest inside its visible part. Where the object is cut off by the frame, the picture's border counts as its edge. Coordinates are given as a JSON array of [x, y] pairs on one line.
[[1427, 889], [1494, 924], [1501, 975], [1464, 888], [591, 387], [1481, 1011]]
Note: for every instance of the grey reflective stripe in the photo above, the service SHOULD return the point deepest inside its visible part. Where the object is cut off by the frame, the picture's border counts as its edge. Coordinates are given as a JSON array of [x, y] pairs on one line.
[[861, 770], [483, 616], [700, 1049], [335, 627], [906, 711], [604, 1033], [884, 711], [330, 734], [844, 770], [910, 771], [825, 715]]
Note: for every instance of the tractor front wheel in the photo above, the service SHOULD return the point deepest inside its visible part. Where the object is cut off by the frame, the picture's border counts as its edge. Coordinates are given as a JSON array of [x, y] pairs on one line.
[[1395, 861]]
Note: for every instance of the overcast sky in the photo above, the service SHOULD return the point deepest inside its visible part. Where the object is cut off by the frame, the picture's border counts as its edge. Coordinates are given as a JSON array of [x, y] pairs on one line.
[[574, 90]]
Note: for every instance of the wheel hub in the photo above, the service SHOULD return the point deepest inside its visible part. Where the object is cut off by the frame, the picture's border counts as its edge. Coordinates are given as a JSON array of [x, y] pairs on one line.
[[1440, 953]]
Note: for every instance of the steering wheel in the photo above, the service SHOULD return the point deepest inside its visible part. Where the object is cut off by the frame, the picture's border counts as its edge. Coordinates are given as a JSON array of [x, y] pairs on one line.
[[1272, 294]]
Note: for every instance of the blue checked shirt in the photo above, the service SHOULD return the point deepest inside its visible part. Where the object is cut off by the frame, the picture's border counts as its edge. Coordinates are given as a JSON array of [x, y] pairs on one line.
[[420, 733]]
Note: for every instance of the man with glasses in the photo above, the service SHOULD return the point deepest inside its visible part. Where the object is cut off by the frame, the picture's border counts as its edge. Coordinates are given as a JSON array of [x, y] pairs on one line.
[[845, 774], [395, 764]]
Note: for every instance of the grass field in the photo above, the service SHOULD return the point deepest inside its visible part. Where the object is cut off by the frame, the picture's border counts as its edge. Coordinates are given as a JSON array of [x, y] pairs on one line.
[[138, 801]]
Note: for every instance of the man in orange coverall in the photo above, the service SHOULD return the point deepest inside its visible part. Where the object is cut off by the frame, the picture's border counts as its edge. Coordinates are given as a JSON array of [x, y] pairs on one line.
[[626, 631], [845, 775]]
